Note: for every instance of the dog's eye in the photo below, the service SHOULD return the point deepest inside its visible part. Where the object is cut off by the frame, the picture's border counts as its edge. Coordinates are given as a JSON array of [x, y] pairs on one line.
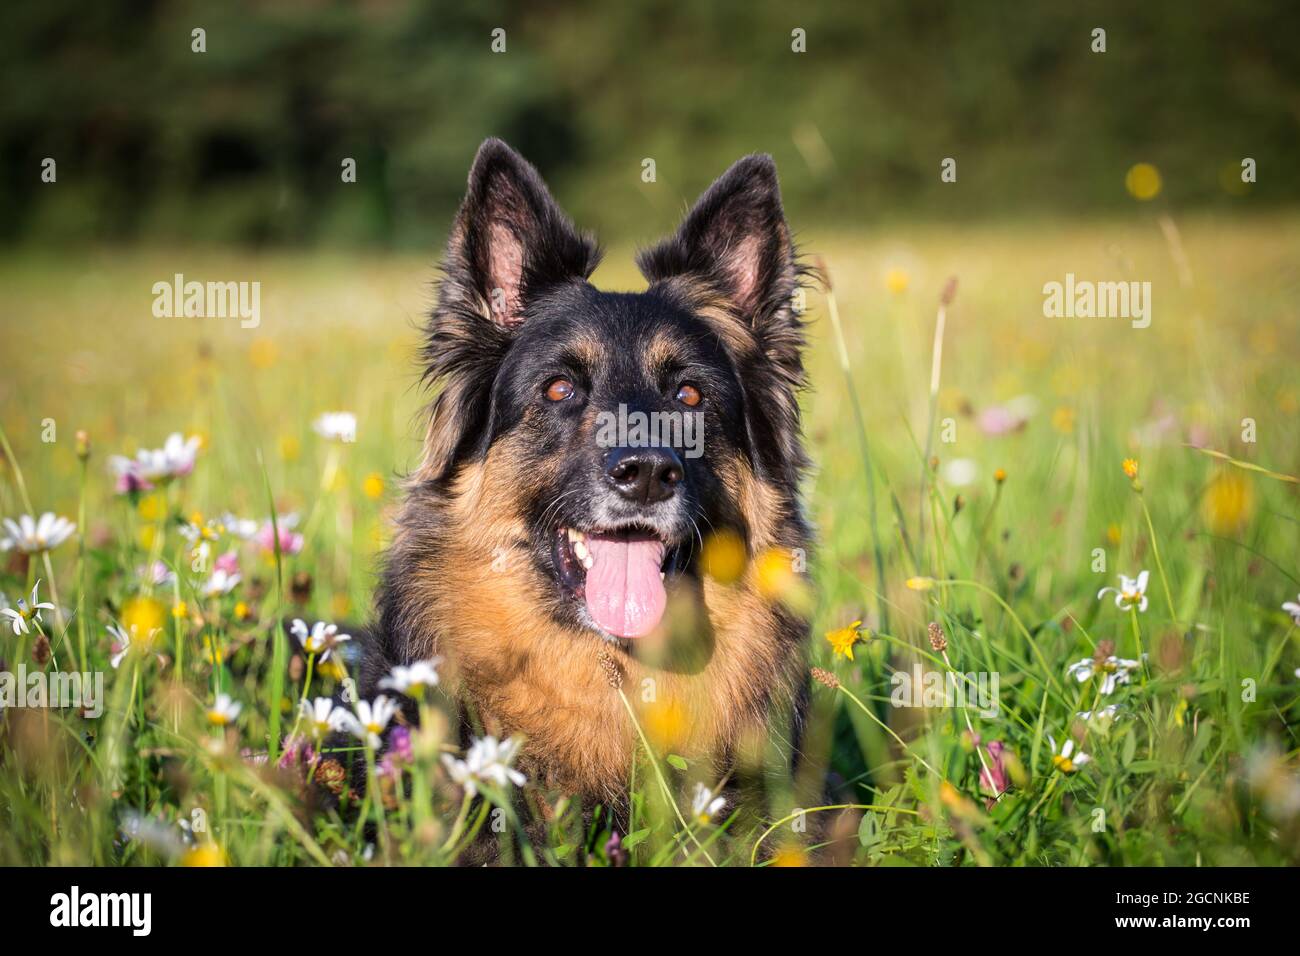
[[689, 395], [559, 389]]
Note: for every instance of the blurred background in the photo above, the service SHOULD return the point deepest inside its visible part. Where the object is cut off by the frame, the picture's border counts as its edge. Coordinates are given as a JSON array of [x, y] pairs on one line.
[[243, 144]]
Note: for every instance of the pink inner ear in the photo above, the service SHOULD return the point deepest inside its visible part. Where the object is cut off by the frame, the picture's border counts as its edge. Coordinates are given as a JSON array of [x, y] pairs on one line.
[[506, 270], [742, 263]]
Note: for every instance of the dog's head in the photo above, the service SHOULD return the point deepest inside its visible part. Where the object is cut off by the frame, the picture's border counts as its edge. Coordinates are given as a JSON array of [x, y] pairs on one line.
[[633, 424]]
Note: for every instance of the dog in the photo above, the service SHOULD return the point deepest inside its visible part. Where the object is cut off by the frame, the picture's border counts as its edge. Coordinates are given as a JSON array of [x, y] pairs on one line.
[[558, 563]]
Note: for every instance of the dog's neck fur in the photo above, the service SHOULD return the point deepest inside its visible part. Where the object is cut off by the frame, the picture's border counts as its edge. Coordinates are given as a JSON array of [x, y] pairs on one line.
[[462, 585]]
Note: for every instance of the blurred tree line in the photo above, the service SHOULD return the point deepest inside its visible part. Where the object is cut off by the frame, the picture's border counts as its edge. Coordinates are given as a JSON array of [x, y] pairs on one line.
[[244, 142]]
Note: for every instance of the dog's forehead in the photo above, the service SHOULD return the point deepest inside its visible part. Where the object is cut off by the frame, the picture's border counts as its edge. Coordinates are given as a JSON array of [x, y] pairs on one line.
[[612, 329]]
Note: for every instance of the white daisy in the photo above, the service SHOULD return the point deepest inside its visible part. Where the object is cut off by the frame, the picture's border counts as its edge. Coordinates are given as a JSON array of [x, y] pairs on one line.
[[34, 535], [704, 805], [224, 711], [336, 426], [222, 582], [370, 719], [1131, 591], [174, 459], [321, 639], [1067, 759], [120, 647], [321, 716], [1113, 670], [1106, 713], [413, 681], [23, 612], [1292, 608], [488, 761]]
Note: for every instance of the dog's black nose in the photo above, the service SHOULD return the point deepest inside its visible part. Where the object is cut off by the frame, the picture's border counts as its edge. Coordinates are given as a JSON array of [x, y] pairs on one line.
[[645, 475]]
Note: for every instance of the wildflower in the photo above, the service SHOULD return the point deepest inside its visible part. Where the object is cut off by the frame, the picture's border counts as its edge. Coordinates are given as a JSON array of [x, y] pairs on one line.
[[241, 528], [1114, 671], [704, 805], [143, 615], [36, 535], [156, 574], [1131, 591], [1000, 475], [1063, 419], [336, 426], [174, 460], [228, 562], [1228, 504], [414, 680], [180, 610], [1293, 608], [960, 472], [282, 531], [1106, 713], [1068, 760], [373, 486], [723, 556], [298, 752], [369, 720], [331, 775], [1131, 467], [1142, 181], [919, 584], [220, 583], [938, 640], [993, 778], [224, 711], [23, 613], [321, 716], [842, 640], [320, 640], [41, 650], [121, 645], [825, 677], [614, 851], [896, 280], [201, 531], [487, 761]]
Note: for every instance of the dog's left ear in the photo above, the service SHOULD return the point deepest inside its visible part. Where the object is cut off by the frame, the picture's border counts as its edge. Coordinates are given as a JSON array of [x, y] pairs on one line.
[[733, 262], [735, 242]]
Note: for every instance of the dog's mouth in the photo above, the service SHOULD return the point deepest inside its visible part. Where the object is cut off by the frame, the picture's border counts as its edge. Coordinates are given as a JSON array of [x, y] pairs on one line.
[[619, 573]]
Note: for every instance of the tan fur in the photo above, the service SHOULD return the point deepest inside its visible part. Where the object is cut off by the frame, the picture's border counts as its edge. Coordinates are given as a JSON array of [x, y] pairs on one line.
[[525, 674]]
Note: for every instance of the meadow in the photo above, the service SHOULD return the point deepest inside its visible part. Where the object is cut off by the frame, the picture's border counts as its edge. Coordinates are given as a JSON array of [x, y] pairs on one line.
[[965, 529]]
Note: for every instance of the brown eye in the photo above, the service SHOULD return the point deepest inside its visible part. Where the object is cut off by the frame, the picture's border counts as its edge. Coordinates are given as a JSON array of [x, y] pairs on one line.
[[689, 395], [559, 389]]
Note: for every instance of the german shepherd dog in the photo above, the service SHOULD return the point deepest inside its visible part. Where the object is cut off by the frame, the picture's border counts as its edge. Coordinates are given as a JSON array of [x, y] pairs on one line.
[[551, 561]]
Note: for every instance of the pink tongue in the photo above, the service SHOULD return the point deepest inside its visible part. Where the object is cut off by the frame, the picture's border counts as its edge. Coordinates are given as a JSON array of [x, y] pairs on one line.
[[624, 591]]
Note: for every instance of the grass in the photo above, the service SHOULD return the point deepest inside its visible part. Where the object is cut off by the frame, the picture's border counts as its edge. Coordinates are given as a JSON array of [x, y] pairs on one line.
[[1197, 767]]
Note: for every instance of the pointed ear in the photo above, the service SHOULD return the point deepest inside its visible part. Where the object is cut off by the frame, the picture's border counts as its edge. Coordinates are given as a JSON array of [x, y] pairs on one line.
[[511, 239], [735, 240], [733, 263]]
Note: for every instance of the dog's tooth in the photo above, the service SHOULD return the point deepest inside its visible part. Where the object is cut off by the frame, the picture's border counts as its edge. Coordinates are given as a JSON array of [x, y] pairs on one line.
[[573, 535], [588, 562], [662, 575], [580, 550]]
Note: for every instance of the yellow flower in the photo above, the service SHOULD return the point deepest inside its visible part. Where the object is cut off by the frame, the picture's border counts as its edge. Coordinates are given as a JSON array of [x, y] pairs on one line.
[[262, 353], [206, 854], [665, 724], [896, 280], [152, 507], [290, 447], [340, 605], [1063, 420], [790, 856], [842, 640], [373, 486], [1000, 475], [1143, 182], [180, 610], [1228, 504], [143, 615], [919, 584], [1113, 533], [723, 557], [777, 578], [241, 611], [1131, 467]]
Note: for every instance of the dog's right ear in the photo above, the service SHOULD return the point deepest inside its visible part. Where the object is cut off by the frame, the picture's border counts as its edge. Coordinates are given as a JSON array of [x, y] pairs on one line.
[[510, 241]]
